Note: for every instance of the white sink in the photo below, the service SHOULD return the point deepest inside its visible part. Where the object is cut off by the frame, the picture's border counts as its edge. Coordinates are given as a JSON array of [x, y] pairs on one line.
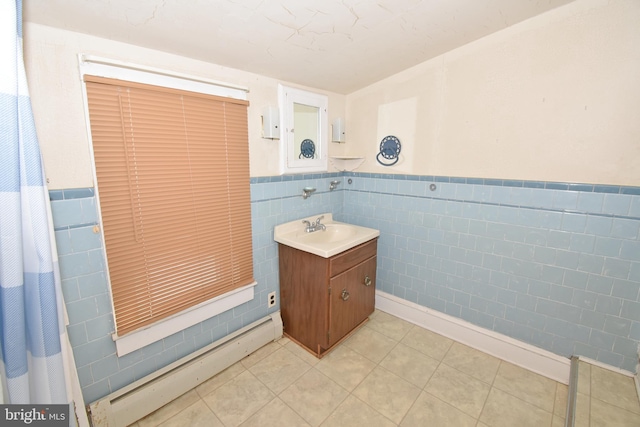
[[337, 236]]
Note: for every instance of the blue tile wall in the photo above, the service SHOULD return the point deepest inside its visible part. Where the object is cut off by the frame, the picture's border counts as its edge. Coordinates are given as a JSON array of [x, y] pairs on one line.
[[556, 265], [274, 200], [552, 264]]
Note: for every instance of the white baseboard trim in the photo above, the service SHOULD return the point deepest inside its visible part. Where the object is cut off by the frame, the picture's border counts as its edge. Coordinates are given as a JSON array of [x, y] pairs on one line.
[[498, 345]]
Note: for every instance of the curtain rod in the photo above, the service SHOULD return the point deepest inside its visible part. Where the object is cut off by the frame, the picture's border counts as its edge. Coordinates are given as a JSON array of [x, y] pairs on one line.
[[123, 64]]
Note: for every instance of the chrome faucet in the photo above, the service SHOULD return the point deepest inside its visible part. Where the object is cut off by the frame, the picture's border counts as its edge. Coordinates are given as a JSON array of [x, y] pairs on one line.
[[320, 226], [314, 226]]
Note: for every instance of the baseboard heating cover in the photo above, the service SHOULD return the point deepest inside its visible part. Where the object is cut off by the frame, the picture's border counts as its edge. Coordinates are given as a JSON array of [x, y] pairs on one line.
[[135, 401]]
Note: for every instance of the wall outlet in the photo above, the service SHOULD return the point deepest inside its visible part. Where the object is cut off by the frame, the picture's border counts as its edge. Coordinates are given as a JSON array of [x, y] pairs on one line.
[[271, 299]]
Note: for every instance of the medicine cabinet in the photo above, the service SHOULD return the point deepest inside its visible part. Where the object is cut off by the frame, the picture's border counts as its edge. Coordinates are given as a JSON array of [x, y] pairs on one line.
[[304, 130]]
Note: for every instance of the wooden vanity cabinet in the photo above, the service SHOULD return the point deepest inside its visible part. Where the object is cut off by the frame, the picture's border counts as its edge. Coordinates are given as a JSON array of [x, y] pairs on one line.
[[323, 299]]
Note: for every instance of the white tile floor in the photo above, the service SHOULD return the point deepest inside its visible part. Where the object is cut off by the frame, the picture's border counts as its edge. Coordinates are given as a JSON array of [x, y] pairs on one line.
[[605, 398], [389, 373]]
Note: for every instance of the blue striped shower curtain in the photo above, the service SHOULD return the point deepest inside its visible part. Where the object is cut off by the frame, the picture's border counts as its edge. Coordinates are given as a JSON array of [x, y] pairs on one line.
[[31, 323]]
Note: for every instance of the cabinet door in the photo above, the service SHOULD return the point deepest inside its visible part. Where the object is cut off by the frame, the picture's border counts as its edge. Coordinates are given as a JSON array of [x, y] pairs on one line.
[[352, 299]]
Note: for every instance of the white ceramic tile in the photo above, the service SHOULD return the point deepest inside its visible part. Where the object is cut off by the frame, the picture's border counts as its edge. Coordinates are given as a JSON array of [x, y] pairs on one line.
[[260, 354], [410, 364], [314, 396], [275, 414], [558, 421], [584, 378], [583, 410], [170, 409], [473, 362], [371, 344], [505, 410], [390, 393], [302, 353], [526, 385], [220, 379], [346, 367], [355, 413], [196, 415], [236, 401], [604, 414], [614, 388], [389, 325], [560, 404], [427, 342], [387, 393], [279, 369], [428, 410], [458, 389]]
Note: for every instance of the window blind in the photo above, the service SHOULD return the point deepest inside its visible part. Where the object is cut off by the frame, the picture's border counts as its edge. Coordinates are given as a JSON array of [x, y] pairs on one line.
[[172, 172]]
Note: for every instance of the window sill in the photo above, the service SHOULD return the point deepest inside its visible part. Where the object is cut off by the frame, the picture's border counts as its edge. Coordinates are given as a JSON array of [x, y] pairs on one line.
[[192, 316]]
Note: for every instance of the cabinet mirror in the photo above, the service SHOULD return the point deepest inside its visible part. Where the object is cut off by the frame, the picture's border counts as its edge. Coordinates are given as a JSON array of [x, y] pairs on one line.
[[304, 138]]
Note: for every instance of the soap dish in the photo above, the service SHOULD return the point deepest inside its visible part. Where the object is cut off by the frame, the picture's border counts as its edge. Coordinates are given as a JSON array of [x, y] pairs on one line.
[[347, 163]]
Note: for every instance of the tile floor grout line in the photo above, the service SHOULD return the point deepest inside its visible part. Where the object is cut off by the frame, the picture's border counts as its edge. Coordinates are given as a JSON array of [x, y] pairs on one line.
[[338, 405], [455, 358], [378, 364], [276, 395], [365, 403], [312, 367], [491, 387]]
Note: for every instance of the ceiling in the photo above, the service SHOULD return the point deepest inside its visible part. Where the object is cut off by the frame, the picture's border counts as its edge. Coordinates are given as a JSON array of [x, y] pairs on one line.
[[335, 45]]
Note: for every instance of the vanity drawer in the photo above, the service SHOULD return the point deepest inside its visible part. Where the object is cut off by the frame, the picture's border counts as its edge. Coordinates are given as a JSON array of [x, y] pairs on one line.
[[353, 256]]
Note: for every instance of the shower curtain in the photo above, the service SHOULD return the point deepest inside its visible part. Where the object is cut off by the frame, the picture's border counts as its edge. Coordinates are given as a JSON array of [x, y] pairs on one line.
[[34, 366]]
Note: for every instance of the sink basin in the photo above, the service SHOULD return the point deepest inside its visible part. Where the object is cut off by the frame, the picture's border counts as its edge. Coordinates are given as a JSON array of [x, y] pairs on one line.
[[337, 237], [334, 233]]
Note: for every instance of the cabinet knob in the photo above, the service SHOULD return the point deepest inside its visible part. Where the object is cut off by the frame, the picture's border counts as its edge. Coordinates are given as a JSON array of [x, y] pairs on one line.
[[367, 281], [344, 295]]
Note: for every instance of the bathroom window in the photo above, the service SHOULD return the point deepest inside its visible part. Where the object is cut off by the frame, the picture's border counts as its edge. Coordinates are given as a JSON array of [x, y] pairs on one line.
[[172, 170]]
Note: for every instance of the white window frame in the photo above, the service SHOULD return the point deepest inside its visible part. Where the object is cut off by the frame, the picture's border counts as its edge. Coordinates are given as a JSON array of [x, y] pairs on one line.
[[103, 67]]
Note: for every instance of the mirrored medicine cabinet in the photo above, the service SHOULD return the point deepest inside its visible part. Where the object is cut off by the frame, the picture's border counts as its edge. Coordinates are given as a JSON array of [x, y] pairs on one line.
[[304, 127]]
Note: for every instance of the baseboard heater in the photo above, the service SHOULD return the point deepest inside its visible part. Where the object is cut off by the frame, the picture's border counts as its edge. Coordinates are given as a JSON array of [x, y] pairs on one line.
[[135, 401]]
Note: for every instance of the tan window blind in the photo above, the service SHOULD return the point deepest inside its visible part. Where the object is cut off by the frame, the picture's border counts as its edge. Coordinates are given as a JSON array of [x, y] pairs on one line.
[[173, 179]]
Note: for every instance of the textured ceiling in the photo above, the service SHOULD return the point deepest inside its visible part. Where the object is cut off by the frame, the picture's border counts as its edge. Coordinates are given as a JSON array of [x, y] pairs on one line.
[[336, 45]]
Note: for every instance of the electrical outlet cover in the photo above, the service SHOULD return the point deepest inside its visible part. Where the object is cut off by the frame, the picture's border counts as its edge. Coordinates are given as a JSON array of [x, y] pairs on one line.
[[271, 299]]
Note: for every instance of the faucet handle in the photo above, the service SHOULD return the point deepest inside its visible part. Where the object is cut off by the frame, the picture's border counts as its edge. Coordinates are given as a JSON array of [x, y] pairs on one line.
[[309, 226], [318, 225]]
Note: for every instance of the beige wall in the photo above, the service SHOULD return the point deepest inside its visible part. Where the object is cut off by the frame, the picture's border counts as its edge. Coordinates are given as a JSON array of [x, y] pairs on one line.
[[554, 98], [51, 60]]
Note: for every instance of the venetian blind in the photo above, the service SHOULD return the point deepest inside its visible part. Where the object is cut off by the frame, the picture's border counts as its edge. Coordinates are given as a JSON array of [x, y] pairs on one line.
[[172, 173]]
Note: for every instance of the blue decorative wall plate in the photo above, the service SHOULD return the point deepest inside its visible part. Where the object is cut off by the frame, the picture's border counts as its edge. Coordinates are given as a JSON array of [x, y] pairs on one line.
[[389, 151], [307, 149]]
